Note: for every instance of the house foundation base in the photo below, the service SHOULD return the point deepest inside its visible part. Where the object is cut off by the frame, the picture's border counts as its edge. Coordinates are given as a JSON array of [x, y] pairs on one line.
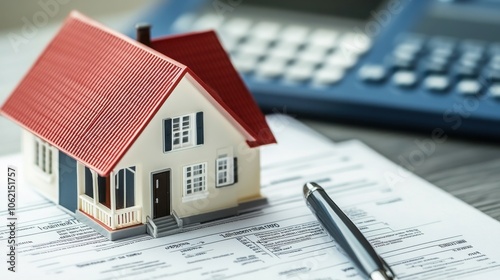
[[113, 234], [224, 213]]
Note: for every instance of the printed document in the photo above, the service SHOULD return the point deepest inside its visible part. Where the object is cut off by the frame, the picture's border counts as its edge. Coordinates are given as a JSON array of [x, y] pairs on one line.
[[421, 231]]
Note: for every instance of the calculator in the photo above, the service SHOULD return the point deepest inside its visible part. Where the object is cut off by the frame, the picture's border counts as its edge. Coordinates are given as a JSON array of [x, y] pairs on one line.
[[419, 65]]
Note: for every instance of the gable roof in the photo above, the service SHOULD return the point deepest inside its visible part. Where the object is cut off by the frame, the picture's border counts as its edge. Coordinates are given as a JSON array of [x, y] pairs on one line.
[[92, 92], [205, 56]]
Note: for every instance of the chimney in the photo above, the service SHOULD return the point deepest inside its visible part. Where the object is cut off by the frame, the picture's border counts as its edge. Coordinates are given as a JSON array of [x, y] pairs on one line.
[[143, 33]]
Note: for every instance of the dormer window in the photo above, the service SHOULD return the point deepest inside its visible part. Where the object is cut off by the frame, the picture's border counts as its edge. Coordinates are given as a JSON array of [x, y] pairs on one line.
[[183, 132], [43, 156]]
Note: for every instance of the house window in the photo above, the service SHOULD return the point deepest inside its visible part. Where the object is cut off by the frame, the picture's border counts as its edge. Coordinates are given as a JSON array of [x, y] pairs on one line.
[[124, 187], [183, 132], [43, 156], [103, 190], [195, 179], [89, 183], [103, 183], [226, 170]]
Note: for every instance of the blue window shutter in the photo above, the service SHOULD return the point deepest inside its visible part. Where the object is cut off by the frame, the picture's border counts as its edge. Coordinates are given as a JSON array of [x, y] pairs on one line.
[[235, 170], [199, 128], [167, 135]]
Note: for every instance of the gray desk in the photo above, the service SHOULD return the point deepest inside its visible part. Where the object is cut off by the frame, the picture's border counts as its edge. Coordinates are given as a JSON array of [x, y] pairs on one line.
[[468, 170]]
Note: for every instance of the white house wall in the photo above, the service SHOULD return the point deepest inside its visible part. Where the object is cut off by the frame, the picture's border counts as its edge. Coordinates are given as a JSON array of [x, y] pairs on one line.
[[147, 154], [43, 183]]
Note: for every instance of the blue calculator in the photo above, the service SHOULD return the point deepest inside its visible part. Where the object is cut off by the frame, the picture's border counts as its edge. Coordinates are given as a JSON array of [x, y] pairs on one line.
[[428, 65]]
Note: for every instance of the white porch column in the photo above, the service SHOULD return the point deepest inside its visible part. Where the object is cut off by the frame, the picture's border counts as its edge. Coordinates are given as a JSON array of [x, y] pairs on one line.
[[96, 193], [80, 182], [112, 192]]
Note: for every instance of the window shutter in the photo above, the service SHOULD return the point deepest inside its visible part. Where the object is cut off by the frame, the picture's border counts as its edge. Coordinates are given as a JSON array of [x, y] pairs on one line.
[[167, 135], [199, 128], [235, 170]]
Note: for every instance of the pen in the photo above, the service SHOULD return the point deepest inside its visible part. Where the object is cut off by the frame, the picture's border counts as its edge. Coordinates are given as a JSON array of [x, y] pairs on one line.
[[345, 233]]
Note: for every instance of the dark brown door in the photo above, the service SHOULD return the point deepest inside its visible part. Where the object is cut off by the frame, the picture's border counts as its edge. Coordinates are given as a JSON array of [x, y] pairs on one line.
[[161, 194]]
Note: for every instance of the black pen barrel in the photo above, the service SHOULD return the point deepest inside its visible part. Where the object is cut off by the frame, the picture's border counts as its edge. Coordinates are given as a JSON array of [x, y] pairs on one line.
[[343, 230]]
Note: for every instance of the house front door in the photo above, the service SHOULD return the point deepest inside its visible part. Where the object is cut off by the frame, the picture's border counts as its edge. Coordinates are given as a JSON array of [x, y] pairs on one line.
[[161, 194]]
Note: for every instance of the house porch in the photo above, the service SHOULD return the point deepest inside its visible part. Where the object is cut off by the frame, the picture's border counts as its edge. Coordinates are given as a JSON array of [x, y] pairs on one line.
[[109, 201], [111, 218]]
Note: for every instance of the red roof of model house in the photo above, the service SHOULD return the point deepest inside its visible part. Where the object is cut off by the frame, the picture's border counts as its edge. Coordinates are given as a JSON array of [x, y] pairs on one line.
[[92, 91]]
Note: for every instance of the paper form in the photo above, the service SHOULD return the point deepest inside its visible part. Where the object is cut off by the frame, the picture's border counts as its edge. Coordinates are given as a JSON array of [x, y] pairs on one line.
[[422, 232]]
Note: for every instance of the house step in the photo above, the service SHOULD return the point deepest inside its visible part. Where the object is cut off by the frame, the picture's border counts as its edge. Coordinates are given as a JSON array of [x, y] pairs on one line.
[[165, 220], [165, 226]]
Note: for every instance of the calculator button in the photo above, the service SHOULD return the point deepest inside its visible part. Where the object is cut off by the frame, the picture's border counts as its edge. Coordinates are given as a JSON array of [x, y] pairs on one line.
[[436, 65], [475, 56], [284, 51], [466, 72], [443, 52], [299, 72], [408, 48], [294, 34], [266, 30], [492, 76], [229, 43], [495, 58], [372, 73], [469, 87], [399, 63], [435, 68], [245, 63], [355, 43], [494, 65], [494, 49], [184, 22], [441, 42], [404, 79], [468, 63], [324, 38], [438, 60], [312, 54], [404, 55], [253, 48], [415, 40], [494, 91], [208, 21], [271, 68], [436, 83], [340, 59], [473, 46], [328, 76], [237, 27]]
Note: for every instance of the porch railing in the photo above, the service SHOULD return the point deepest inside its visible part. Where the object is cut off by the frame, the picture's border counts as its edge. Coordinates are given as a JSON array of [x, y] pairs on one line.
[[87, 204], [128, 216], [122, 217]]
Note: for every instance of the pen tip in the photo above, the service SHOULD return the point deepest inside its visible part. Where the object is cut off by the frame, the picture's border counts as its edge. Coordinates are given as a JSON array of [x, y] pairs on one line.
[[309, 187]]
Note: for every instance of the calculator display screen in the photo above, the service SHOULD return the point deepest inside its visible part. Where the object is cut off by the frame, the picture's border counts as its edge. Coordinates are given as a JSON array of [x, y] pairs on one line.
[[355, 9]]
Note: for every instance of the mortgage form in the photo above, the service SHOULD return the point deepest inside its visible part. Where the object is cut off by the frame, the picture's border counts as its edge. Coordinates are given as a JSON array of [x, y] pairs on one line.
[[421, 231]]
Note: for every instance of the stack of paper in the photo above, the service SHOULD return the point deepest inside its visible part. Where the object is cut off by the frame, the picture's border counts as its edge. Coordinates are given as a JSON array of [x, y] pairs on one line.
[[421, 231]]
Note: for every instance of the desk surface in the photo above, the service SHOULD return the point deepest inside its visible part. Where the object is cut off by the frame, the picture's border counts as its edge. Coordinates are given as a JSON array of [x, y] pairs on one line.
[[468, 170]]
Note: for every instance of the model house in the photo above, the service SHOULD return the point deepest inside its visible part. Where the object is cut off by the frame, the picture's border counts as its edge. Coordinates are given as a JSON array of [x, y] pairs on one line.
[[136, 136]]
